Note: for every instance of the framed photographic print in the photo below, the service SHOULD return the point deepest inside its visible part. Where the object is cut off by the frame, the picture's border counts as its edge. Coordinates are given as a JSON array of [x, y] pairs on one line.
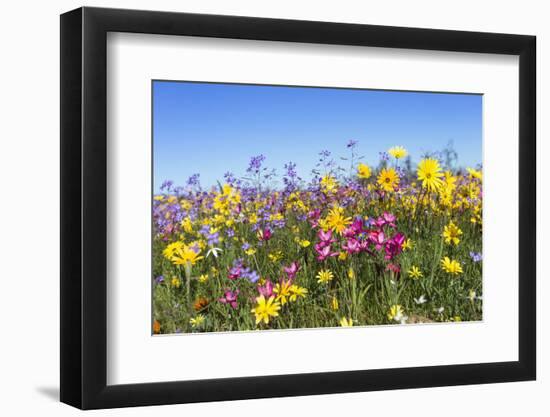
[[258, 207]]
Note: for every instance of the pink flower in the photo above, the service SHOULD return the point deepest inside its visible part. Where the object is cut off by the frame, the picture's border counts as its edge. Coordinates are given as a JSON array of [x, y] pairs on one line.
[[325, 237], [349, 232], [266, 290], [319, 246], [351, 246], [324, 253], [292, 270], [389, 219], [364, 246], [313, 217], [396, 269], [386, 219], [230, 297]]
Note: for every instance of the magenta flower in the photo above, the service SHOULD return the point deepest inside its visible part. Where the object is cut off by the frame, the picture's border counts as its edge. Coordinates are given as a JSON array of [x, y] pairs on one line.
[[266, 290], [394, 246], [292, 270], [377, 238], [396, 269], [364, 246], [230, 297], [264, 235], [399, 238], [354, 229]]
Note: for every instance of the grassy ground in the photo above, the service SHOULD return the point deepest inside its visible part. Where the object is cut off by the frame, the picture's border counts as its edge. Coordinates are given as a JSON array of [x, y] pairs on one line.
[[263, 231]]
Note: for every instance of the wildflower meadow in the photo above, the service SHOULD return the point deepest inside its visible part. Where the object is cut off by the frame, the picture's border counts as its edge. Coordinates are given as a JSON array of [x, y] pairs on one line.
[[392, 243]]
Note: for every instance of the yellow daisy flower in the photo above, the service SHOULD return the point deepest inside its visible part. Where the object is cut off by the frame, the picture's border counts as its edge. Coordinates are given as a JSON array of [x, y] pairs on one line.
[[429, 172], [324, 276], [398, 152], [415, 272], [336, 220], [197, 321], [452, 234], [388, 179], [265, 309], [363, 171], [345, 322], [451, 266]]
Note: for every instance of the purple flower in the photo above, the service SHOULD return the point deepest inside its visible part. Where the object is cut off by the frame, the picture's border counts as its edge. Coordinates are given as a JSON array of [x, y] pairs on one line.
[[384, 156], [166, 185], [476, 256], [230, 179], [213, 238], [193, 180], [236, 270], [250, 275], [291, 178], [195, 247], [255, 164], [352, 143], [159, 279]]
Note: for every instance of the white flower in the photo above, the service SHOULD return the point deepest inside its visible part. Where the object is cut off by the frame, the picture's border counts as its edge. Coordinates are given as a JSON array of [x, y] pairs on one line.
[[420, 300], [213, 251], [472, 296], [400, 317]]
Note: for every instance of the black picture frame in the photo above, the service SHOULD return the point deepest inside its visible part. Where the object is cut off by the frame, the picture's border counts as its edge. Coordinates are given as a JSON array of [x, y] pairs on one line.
[[84, 207]]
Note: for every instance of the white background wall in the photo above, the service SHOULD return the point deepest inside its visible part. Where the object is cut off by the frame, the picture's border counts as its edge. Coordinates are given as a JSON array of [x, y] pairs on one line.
[[29, 219]]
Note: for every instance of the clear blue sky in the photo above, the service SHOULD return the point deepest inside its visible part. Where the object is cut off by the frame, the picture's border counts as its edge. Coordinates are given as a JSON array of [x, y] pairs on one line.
[[213, 128]]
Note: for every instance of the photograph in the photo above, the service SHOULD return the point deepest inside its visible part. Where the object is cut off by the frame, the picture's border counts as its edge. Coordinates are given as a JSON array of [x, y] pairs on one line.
[[292, 207]]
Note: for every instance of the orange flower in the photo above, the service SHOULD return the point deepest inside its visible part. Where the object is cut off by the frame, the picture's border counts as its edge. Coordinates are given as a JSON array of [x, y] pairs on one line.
[[156, 327], [200, 303]]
